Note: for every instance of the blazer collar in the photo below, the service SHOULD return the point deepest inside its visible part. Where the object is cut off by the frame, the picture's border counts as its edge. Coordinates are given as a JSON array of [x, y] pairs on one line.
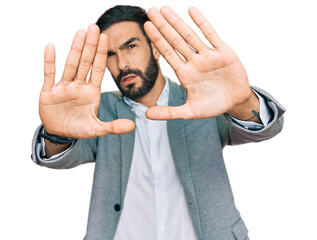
[[127, 145], [177, 94]]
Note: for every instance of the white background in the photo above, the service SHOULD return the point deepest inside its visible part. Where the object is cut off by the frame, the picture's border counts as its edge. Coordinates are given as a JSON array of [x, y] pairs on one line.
[[274, 182]]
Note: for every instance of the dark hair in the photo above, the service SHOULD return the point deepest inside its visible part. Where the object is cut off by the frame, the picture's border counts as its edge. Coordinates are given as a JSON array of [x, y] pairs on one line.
[[121, 13]]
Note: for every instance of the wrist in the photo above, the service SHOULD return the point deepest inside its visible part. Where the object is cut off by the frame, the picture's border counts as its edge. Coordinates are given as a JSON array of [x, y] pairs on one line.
[[248, 110], [54, 139]]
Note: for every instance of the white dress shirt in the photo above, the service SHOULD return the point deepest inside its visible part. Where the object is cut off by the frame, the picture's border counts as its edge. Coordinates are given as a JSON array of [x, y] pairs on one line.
[[154, 206]]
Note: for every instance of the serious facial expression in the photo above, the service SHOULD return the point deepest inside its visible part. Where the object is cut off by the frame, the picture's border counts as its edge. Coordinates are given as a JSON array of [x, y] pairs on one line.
[[130, 59]]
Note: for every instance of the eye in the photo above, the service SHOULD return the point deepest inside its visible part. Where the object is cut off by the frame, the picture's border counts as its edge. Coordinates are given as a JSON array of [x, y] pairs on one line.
[[110, 53], [131, 46]]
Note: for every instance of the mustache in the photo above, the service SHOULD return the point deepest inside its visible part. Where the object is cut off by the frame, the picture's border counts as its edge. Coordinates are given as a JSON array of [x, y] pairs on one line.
[[126, 72]]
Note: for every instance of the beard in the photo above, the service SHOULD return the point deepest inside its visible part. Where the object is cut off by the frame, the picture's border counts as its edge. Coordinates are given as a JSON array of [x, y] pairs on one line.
[[148, 80]]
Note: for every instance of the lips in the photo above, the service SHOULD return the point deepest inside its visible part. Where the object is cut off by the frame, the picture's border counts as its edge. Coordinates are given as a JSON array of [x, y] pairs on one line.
[[128, 79]]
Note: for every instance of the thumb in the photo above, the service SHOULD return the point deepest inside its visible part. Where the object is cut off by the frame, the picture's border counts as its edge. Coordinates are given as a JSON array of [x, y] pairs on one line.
[[169, 113], [119, 126]]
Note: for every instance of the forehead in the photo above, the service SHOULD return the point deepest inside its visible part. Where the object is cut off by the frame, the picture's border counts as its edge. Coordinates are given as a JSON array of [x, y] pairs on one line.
[[119, 33]]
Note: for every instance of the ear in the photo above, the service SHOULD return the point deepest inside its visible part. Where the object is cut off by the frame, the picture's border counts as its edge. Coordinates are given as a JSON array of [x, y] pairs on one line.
[[156, 53]]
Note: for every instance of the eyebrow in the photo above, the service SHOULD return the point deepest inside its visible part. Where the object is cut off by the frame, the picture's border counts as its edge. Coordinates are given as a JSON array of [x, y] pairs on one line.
[[128, 42], [125, 44]]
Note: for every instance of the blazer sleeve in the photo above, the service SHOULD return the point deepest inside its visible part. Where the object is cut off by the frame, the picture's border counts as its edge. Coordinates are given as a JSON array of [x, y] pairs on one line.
[[232, 133], [82, 151]]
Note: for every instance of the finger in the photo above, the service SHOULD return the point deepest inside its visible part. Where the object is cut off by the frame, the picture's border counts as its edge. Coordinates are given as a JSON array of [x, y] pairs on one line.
[[206, 28], [170, 55], [169, 113], [183, 29], [73, 58], [170, 34], [88, 54], [49, 67], [100, 62], [119, 126]]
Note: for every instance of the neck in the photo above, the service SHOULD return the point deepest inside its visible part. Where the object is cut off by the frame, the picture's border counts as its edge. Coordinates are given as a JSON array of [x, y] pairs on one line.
[[150, 99]]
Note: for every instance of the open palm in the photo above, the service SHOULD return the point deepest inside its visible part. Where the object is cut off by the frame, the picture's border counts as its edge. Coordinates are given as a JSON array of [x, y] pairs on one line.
[[70, 108], [214, 78]]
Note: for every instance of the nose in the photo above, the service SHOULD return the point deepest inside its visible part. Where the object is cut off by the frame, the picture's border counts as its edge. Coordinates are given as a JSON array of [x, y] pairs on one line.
[[123, 63]]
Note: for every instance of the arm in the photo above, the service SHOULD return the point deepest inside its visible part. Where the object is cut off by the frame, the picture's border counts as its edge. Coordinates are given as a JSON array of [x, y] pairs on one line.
[[82, 151], [232, 133]]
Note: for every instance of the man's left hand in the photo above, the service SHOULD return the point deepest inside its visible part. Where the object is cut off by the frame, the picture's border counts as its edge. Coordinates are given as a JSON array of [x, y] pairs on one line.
[[214, 78]]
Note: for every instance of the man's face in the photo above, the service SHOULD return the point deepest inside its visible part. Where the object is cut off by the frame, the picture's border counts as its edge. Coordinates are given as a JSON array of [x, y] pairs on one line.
[[130, 59]]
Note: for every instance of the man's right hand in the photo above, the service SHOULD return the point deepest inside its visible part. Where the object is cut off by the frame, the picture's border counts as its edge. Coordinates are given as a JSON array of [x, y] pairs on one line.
[[70, 107]]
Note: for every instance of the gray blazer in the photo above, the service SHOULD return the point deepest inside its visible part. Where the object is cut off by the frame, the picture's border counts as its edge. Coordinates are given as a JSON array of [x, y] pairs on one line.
[[197, 151]]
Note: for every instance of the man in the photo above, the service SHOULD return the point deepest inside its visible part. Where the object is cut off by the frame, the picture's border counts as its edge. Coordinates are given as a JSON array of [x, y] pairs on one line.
[[153, 179]]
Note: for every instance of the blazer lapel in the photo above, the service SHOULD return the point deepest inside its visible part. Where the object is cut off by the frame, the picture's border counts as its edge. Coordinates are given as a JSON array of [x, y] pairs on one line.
[[176, 134], [127, 145], [179, 148]]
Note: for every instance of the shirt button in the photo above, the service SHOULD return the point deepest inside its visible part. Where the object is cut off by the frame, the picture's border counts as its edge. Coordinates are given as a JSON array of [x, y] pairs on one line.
[[117, 207], [191, 204], [162, 228]]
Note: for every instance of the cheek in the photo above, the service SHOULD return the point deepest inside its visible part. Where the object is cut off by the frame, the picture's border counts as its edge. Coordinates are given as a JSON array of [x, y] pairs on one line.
[[141, 62]]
